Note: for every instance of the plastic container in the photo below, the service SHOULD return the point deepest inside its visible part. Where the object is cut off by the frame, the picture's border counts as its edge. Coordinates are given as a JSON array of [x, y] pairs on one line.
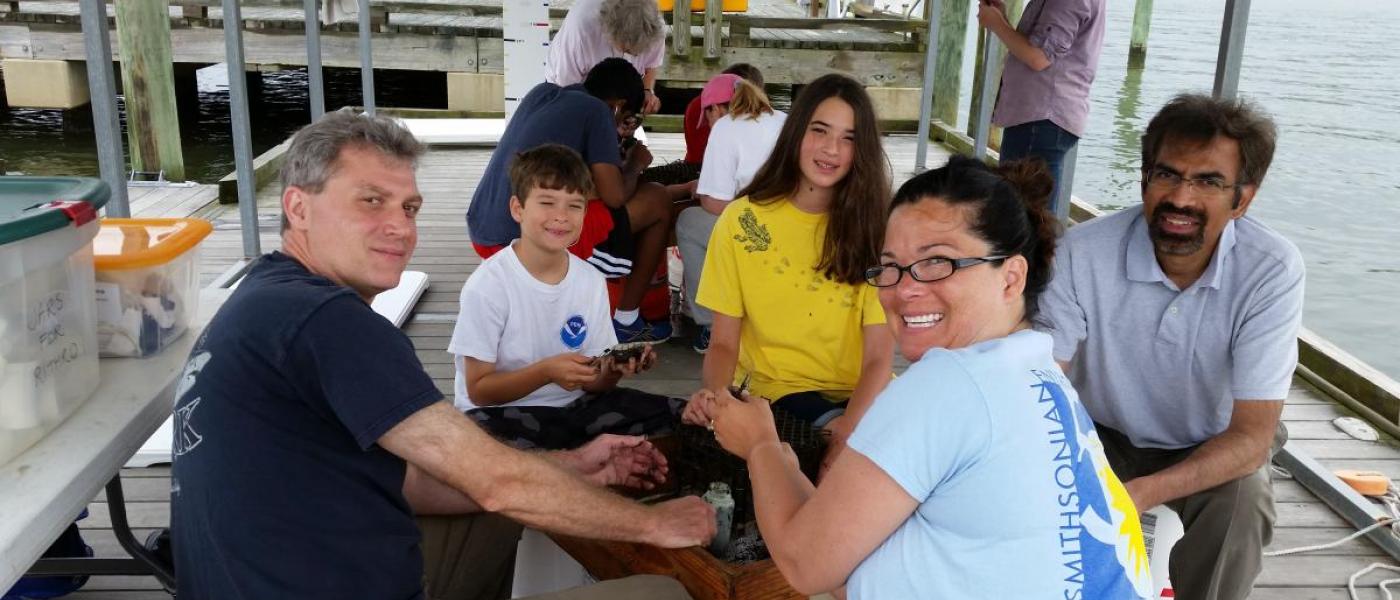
[[48, 323], [699, 5], [147, 282]]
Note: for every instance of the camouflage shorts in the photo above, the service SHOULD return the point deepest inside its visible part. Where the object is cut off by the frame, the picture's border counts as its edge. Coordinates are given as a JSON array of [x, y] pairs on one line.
[[622, 411]]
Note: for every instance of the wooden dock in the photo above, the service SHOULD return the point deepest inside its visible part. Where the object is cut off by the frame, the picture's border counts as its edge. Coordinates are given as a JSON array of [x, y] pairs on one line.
[[465, 36], [447, 178]]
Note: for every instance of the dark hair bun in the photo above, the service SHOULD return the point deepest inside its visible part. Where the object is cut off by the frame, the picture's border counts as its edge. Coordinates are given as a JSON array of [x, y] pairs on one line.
[[1033, 182]]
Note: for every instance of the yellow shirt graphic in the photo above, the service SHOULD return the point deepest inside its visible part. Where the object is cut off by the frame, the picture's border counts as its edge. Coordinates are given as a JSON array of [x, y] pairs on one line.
[[801, 331]]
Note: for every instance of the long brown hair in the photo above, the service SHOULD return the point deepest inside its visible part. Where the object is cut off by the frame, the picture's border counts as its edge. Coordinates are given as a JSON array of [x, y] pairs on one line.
[[857, 215]]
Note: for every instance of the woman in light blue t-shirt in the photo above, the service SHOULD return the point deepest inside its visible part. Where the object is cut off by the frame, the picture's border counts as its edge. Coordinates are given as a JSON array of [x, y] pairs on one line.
[[977, 473]]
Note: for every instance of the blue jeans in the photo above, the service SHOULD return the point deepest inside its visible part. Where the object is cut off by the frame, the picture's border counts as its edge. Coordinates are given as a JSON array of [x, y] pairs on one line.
[[1043, 139]]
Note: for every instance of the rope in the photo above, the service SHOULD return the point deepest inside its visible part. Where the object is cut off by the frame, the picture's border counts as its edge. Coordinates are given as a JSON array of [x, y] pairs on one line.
[[1391, 501]]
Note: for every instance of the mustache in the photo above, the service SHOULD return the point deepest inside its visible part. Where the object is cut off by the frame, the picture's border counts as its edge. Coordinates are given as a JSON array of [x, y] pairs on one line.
[[1168, 209]]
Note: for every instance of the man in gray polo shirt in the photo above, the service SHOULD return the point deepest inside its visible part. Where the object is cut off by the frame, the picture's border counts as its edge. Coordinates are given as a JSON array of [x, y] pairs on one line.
[[1177, 322]]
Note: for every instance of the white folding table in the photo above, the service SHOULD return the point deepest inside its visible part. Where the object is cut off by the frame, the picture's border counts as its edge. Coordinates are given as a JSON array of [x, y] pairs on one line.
[[43, 489]]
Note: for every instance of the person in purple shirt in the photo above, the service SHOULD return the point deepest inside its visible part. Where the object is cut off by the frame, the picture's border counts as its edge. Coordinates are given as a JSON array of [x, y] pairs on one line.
[[1044, 100]]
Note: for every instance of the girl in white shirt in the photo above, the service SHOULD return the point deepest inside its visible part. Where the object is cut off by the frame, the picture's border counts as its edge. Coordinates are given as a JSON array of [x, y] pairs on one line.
[[744, 129]]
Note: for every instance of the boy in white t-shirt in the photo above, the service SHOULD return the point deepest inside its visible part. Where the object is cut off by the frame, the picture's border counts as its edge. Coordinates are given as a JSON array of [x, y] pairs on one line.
[[530, 341]]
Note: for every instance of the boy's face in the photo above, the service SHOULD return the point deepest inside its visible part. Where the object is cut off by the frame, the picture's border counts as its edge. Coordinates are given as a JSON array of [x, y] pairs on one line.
[[549, 219]]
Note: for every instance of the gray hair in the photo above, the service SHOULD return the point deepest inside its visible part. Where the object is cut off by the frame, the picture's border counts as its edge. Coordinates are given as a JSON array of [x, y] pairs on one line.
[[312, 158], [633, 24]]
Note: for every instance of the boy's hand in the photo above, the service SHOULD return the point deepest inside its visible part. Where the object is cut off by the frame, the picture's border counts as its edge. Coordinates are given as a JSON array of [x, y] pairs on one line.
[[570, 370], [635, 365]]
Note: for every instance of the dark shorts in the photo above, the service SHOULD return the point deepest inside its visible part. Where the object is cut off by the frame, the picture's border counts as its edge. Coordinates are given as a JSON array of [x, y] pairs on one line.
[[605, 241], [811, 407], [622, 411]]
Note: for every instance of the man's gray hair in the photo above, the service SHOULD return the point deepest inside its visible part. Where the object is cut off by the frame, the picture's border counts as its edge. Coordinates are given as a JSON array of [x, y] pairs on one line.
[[635, 25], [312, 158]]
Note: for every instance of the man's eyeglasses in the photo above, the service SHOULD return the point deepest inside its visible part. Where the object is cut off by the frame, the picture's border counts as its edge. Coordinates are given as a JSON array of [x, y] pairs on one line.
[[927, 270], [1166, 179]]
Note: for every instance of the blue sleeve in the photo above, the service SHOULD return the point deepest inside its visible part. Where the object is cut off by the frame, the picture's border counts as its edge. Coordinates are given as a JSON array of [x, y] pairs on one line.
[[929, 425], [365, 368], [600, 138]]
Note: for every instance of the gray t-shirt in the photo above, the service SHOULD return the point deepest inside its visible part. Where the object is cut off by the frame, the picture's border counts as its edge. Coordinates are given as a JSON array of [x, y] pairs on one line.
[[1160, 364]]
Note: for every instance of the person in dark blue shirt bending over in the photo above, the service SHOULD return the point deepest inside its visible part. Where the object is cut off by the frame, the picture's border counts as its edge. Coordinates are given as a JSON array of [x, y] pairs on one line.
[[627, 221], [308, 434]]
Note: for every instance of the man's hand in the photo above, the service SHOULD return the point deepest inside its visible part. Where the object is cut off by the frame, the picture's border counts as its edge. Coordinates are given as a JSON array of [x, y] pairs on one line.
[[682, 523], [639, 157], [625, 460], [570, 370], [991, 14], [651, 104]]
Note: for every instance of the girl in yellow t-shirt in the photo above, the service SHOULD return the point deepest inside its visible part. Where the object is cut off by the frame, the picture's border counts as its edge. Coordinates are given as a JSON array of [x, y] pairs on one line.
[[784, 273]]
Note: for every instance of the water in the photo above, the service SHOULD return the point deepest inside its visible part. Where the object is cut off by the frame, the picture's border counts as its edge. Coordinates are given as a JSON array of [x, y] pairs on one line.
[[1318, 67], [1334, 186]]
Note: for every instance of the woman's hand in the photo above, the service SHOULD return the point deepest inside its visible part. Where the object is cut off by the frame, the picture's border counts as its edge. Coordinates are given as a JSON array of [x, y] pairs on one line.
[[697, 411], [742, 425]]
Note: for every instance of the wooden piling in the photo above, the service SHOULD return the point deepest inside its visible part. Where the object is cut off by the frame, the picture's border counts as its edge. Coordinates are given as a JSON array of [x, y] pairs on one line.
[[153, 122], [714, 13], [947, 75], [1142, 22], [1013, 14], [680, 27]]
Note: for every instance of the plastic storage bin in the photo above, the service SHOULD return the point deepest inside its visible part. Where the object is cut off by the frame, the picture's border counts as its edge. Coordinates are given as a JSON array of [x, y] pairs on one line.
[[147, 282], [699, 5], [48, 324]]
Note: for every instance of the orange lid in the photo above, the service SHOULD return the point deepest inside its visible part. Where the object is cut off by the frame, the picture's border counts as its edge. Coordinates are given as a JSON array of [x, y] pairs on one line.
[[137, 243]]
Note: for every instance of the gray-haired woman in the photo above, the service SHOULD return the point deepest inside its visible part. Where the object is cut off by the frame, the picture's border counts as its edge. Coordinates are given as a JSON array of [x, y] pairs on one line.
[[599, 29]]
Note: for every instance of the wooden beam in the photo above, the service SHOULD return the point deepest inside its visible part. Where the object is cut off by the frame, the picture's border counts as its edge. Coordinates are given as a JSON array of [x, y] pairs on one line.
[[788, 66], [680, 27], [148, 83], [713, 23], [952, 31]]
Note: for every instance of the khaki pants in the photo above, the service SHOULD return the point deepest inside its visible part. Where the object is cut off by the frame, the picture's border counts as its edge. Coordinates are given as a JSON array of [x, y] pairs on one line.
[[472, 557], [1226, 527]]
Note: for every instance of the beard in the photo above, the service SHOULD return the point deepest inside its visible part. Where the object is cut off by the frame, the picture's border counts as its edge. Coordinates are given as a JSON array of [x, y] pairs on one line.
[[1174, 243]]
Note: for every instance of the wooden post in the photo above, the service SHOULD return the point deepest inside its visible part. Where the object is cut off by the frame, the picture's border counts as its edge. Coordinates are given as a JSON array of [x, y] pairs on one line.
[[153, 121], [952, 30], [680, 28], [1013, 14], [1142, 22], [713, 22]]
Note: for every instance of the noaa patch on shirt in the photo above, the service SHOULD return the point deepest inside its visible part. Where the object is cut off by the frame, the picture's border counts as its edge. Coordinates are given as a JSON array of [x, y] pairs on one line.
[[574, 331]]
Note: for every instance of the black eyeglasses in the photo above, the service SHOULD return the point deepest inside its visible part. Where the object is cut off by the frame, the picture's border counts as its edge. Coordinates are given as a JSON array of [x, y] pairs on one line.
[[1205, 186], [927, 270]]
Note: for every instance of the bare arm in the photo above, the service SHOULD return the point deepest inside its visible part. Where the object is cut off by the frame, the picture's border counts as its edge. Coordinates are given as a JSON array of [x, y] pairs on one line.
[[723, 356], [814, 536], [488, 387], [992, 15], [428, 496], [532, 490], [616, 185], [1238, 451], [877, 364], [651, 103]]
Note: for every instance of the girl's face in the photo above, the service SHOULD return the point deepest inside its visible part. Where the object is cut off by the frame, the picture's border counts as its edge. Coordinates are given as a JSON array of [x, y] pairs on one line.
[[828, 147]]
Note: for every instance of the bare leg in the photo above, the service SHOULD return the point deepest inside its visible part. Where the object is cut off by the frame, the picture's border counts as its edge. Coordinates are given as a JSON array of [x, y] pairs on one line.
[[649, 210]]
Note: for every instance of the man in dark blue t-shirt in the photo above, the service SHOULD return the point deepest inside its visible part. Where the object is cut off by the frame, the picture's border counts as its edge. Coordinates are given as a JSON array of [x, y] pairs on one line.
[[307, 433], [626, 227]]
